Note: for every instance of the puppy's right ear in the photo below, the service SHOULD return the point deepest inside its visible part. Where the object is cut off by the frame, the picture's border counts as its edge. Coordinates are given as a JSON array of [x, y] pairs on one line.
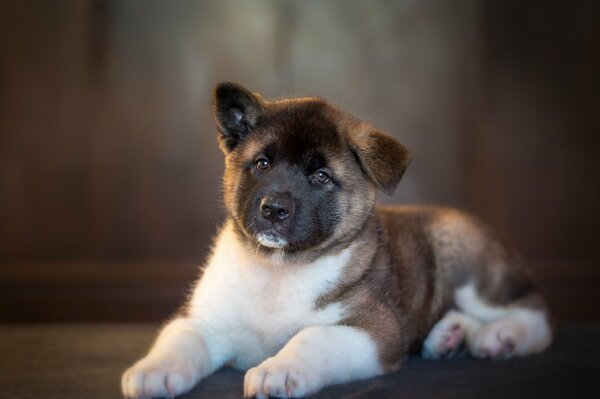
[[236, 112]]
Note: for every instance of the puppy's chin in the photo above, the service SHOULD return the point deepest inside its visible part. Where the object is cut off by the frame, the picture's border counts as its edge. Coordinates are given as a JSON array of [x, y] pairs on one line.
[[271, 239]]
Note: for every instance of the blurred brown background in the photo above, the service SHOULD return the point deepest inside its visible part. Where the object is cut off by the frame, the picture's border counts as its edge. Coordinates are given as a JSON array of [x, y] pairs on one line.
[[110, 172]]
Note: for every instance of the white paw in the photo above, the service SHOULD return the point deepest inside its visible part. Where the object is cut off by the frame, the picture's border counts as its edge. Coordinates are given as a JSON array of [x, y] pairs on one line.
[[158, 378], [280, 378], [497, 340], [449, 335], [445, 340]]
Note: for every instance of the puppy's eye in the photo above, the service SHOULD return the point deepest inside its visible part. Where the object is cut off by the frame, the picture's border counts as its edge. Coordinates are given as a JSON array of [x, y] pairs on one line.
[[321, 177], [262, 164]]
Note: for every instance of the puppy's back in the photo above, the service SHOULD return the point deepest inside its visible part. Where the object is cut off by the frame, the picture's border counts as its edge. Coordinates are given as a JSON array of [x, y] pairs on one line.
[[438, 250]]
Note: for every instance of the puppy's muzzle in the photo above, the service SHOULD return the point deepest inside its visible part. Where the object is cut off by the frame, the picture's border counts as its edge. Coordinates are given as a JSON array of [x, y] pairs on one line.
[[276, 208]]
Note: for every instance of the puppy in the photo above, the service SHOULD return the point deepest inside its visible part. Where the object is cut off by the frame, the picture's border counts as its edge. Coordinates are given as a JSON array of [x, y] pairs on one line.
[[310, 284]]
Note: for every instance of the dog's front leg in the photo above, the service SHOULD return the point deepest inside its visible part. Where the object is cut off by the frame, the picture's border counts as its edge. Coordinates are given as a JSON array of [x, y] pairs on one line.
[[179, 358], [314, 358]]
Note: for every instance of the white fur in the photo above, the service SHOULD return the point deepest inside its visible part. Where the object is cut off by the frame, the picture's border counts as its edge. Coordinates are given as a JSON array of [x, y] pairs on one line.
[[314, 358], [507, 331], [245, 310], [173, 366], [448, 334], [468, 301], [271, 240]]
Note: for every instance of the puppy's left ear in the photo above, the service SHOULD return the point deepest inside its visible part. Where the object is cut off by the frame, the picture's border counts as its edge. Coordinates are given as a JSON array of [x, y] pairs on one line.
[[236, 112], [381, 156]]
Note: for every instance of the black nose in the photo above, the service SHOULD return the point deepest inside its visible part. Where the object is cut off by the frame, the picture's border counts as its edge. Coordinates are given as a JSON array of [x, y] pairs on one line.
[[276, 209]]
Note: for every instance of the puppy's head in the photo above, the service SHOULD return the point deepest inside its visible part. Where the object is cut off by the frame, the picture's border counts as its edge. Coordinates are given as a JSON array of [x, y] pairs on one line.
[[300, 175]]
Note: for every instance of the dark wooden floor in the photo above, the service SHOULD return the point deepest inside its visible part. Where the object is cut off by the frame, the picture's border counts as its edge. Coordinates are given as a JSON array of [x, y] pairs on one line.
[[65, 361]]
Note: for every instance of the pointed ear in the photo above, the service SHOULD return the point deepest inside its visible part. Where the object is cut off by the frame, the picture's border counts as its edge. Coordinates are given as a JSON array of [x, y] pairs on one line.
[[381, 156], [236, 112]]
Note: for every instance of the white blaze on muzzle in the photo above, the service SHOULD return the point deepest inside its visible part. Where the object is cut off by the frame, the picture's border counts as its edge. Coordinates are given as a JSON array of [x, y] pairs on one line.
[[271, 239]]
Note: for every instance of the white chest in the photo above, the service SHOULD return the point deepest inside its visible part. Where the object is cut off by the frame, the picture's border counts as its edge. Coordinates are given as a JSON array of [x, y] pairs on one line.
[[256, 308]]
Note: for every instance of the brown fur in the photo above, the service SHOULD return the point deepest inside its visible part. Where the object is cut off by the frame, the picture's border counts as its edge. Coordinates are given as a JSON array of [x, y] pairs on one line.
[[404, 281]]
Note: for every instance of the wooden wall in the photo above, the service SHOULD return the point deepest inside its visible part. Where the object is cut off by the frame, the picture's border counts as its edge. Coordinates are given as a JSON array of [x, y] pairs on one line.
[[110, 173]]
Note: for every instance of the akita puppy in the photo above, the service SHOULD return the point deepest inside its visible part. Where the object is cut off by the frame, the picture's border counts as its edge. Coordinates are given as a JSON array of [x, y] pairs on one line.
[[311, 284]]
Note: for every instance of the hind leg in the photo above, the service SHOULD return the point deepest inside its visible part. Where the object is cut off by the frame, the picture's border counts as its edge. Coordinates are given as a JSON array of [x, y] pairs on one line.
[[449, 336], [509, 330], [520, 333]]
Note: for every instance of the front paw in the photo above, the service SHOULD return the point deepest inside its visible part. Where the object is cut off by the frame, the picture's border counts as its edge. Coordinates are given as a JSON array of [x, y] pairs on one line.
[[279, 377], [158, 378]]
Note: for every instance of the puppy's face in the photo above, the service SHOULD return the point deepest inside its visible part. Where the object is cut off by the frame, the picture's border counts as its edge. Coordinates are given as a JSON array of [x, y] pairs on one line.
[[300, 175]]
